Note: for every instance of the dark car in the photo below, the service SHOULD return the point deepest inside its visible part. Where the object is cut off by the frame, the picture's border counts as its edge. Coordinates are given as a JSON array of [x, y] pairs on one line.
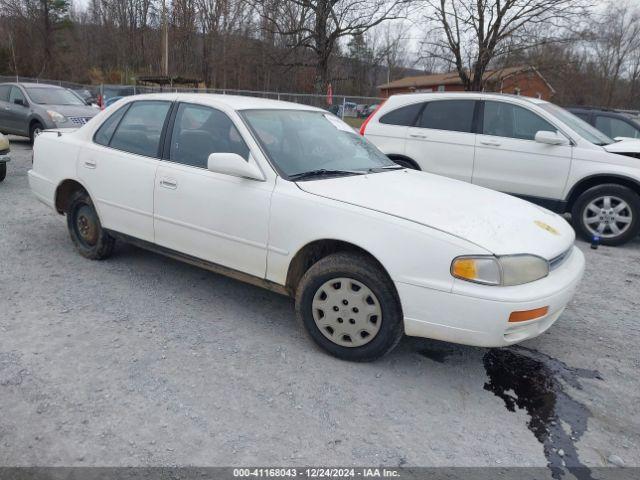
[[28, 108], [612, 123]]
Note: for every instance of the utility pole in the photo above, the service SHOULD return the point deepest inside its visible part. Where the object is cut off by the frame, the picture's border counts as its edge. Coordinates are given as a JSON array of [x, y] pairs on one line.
[[165, 40]]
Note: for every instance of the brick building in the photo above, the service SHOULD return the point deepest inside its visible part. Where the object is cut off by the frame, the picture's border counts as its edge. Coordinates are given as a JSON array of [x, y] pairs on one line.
[[523, 80]]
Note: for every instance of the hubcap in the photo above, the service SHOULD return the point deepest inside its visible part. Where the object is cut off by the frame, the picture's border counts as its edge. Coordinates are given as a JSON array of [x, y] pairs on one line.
[[86, 225], [608, 216], [347, 312]]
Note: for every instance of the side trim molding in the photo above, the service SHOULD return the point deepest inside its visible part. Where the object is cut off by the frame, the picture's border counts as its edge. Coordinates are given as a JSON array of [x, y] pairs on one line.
[[198, 262]]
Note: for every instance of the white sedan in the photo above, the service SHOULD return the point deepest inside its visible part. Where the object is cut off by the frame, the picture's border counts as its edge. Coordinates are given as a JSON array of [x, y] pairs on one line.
[[290, 198]]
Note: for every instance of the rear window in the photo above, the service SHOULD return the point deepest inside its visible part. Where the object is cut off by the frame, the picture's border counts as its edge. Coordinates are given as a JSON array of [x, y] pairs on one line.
[[452, 115], [140, 130], [105, 132], [403, 116]]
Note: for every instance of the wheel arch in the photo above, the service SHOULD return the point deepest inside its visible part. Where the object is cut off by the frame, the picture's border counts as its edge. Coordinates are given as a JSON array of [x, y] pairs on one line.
[[404, 158], [599, 179], [64, 192], [316, 250]]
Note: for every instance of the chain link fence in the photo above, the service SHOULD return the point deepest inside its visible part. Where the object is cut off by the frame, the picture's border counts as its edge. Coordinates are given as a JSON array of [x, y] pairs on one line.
[[344, 106]]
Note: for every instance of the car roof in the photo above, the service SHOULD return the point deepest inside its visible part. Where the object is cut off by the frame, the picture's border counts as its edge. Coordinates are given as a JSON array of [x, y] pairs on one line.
[[34, 84], [412, 97], [235, 102]]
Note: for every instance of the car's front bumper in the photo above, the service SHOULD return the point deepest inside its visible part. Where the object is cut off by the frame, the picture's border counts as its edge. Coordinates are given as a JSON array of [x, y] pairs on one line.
[[479, 315]]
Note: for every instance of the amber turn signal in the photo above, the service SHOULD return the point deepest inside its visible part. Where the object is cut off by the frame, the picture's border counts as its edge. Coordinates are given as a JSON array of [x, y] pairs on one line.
[[525, 315]]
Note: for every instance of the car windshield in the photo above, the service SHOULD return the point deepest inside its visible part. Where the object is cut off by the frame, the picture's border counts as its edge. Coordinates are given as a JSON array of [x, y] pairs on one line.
[[53, 96], [299, 142], [578, 125]]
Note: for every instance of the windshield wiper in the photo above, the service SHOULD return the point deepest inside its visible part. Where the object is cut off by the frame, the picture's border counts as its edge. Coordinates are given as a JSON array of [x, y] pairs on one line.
[[321, 172], [385, 169]]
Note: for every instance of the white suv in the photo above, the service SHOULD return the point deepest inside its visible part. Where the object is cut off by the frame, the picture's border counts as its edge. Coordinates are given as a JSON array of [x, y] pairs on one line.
[[523, 146]]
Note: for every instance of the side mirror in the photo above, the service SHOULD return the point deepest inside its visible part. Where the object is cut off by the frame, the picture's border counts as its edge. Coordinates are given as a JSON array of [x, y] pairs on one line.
[[21, 102], [551, 138], [234, 165]]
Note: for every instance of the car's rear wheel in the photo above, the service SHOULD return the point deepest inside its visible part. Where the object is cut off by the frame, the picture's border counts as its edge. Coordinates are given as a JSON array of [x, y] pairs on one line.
[[349, 307], [85, 229], [610, 212], [3, 171], [35, 130]]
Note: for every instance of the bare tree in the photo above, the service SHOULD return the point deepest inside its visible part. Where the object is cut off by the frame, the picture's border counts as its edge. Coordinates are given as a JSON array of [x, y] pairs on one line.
[[318, 25], [617, 39], [469, 34]]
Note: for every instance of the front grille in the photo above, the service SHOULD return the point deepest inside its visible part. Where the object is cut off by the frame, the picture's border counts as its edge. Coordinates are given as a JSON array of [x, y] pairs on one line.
[[560, 259], [79, 120]]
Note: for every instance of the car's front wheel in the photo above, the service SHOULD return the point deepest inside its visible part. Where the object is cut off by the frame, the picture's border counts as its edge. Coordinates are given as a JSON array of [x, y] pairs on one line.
[[610, 212], [85, 229], [349, 306], [34, 131]]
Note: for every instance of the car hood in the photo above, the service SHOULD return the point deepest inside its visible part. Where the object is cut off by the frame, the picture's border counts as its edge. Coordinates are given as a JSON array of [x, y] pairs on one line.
[[626, 145], [497, 222], [73, 110]]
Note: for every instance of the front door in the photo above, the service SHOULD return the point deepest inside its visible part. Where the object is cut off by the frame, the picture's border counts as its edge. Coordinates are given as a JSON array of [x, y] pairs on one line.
[[509, 159], [119, 167], [215, 217], [443, 141]]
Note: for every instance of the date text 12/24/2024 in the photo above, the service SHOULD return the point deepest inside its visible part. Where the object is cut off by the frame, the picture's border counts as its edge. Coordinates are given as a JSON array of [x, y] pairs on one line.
[[315, 472]]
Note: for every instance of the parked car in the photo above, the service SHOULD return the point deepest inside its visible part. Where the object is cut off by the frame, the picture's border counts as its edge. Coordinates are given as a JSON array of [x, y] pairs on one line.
[[526, 147], [613, 124], [26, 109], [290, 198], [110, 92], [87, 96], [4, 156]]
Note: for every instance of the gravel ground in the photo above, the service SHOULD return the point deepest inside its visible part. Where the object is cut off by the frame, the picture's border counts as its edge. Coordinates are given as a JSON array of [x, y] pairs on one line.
[[142, 360]]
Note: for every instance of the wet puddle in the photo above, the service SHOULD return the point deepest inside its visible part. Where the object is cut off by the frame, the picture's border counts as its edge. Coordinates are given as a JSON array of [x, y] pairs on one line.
[[534, 382]]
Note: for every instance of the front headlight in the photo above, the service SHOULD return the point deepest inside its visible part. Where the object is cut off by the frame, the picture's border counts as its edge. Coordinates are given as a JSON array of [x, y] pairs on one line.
[[56, 117], [508, 270]]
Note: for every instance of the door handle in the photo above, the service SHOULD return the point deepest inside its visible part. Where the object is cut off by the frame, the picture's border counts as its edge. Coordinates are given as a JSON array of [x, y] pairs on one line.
[[89, 164], [168, 183], [417, 135], [491, 143]]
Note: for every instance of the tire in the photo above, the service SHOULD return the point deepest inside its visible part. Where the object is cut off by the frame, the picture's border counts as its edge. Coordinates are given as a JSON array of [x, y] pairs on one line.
[[3, 171], [85, 229], [34, 130], [379, 314], [404, 162], [593, 215]]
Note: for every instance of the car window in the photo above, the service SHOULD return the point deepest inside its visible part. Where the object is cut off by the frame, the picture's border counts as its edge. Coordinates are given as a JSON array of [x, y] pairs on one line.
[[53, 96], [4, 93], [453, 115], [140, 130], [16, 94], [507, 120], [614, 127], [199, 131], [105, 132], [583, 116], [404, 116]]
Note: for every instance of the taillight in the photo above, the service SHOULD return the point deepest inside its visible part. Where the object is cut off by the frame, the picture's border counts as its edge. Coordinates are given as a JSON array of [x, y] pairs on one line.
[[100, 103], [364, 124]]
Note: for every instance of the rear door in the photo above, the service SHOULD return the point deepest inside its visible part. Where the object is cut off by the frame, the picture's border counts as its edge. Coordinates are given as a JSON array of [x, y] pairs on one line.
[[119, 167], [442, 140], [509, 159]]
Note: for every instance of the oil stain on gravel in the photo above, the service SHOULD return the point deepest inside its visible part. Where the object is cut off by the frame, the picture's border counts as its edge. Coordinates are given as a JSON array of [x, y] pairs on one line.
[[529, 380]]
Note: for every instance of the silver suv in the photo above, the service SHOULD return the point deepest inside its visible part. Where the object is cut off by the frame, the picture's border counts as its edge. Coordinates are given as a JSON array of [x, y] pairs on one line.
[[28, 108]]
